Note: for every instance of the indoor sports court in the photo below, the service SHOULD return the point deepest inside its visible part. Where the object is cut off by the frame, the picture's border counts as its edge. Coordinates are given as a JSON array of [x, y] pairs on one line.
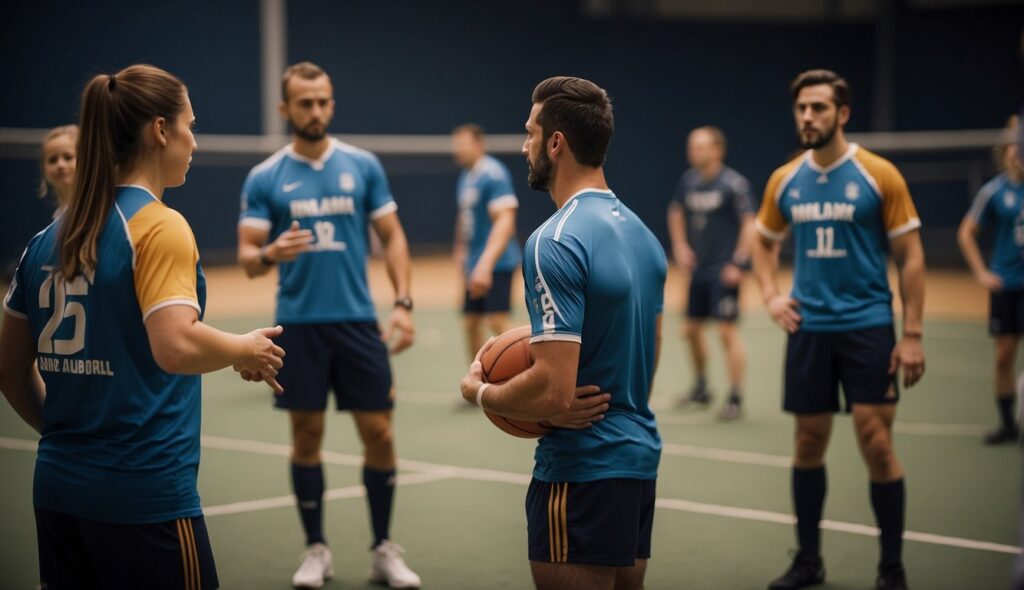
[[933, 85]]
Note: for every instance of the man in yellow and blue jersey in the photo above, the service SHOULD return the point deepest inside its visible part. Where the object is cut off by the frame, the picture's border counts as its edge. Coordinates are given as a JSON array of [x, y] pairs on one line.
[[305, 211], [847, 209]]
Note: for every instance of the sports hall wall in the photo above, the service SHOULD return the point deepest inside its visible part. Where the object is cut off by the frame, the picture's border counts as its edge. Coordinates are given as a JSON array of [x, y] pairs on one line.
[[419, 67]]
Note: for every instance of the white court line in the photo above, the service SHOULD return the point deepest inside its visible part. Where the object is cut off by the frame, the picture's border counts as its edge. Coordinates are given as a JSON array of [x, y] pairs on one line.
[[440, 472], [926, 429], [334, 494], [726, 455]]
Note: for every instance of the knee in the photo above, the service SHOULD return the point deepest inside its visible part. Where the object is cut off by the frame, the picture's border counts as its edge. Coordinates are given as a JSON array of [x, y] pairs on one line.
[[810, 447], [692, 329], [1005, 358], [379, 436], [497, 325], [878, 452], [306, 444]]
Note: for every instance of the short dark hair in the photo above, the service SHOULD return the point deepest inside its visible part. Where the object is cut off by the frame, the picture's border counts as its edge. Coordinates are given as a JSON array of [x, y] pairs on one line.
[[306, 70], [472, 128], [582, 111], [840, 89]]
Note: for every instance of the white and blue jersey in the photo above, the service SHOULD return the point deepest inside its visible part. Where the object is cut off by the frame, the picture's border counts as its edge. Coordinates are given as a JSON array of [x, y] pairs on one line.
[[120, 436], [842, 218], [336, 197], [998, 208], [595, 274], [483, 190]]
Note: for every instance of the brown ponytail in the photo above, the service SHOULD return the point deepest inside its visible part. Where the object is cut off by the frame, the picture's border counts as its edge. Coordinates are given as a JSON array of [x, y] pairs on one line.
[[115, 109]]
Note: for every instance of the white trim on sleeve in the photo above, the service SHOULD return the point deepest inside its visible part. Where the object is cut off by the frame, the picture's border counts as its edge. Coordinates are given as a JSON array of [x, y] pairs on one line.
[[170, 303], [556, 337], [13, 312], [389, 207], [256, 222], [503, 202], [909, 226], [771, 235]]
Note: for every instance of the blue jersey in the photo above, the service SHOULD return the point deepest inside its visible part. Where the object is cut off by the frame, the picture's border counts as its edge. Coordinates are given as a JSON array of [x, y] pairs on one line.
[[595, 275], [842, 219], [998, 207], [336, 197], [120, 440], [484, 189], [715, 210]]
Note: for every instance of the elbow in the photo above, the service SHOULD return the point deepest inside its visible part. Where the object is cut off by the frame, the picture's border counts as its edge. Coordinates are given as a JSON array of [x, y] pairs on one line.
[[170, 359], [556, 402]]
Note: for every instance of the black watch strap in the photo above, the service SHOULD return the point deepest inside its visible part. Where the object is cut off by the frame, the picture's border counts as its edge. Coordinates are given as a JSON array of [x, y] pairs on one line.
[[405, 302], [264, 259]]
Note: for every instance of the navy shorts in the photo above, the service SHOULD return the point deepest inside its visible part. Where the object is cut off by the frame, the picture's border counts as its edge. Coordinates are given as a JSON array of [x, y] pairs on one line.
[[82, 554], [1006, 312], [710, 299], [348, 358], [497, 300], [818, 362], [606, 522]]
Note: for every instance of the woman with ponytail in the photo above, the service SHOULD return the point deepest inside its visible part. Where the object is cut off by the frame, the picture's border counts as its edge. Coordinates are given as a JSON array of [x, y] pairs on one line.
[[108, 300]]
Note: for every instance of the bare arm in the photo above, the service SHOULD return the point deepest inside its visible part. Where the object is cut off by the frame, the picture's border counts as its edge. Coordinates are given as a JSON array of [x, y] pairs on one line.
[[748, 233], [908, 254], [782, 308], [396, 258], [182, 344], [19, 378], [287, 247], [544, 391], [966, 237], [503, 228], [681, 251]]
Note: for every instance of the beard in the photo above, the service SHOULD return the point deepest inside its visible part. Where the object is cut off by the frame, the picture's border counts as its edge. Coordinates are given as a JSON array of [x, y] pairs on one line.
[[307, 133], [823, 139], [540, 175]]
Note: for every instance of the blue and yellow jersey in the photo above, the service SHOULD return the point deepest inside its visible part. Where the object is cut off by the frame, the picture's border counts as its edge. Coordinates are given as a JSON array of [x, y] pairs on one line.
[[595, 274], [120, 440], [998, 208], [336, 197], [842, 218], [484, 189]]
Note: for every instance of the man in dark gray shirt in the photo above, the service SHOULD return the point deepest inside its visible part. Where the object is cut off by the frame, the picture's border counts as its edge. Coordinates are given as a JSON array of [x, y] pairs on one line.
[[710, 220]]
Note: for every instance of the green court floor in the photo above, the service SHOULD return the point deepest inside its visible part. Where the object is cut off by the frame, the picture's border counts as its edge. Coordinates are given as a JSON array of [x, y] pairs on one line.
[[723, 513]]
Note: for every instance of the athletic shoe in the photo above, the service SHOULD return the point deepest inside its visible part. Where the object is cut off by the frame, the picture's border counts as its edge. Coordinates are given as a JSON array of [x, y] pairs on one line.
[[806, 570], [698, 396], [389, 567], [1002, 435], [730, 410], [316, 567], [891, 577]]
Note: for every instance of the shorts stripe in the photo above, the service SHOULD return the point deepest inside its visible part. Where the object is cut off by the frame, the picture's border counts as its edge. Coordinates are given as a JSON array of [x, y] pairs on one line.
[[558, 529], [551, 522], [565, 524], [189, 554]]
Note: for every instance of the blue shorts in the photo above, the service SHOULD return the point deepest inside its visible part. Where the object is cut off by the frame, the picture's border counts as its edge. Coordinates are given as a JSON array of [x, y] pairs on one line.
[[710, 299], [1006, 312], [82, 554], [348, 358], [606, 522], [497, 300], [818, 362]]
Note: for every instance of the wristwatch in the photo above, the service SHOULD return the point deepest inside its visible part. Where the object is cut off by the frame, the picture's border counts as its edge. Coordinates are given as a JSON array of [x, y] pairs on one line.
[[264, 259], [405, 302]]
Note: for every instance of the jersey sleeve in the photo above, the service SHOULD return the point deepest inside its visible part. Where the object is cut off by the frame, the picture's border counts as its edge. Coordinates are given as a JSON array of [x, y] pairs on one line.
[[255, 207], [742, 200], [558, 280], [15, 302], [898, 212], [770, 222], [980, 208], [380, 201], [500, 193], [166, 260]]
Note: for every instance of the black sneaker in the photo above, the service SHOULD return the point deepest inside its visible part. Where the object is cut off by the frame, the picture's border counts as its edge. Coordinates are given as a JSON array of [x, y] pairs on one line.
[[806, 570], [731, 409], [891, 577], [698, 396], [1003, 435]]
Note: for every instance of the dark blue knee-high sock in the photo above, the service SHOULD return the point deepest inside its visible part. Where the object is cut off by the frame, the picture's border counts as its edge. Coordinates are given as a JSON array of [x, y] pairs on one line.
[[308, 484], [889, 502], [380, 494], [809, 486]]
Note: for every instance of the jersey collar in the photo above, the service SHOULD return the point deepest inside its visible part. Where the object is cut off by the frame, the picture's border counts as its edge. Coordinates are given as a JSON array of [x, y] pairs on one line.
[[317, 164], [850, 151], [603, 191], [141, 188]]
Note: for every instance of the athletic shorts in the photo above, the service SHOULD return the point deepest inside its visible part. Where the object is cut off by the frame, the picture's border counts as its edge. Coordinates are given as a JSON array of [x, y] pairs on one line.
[[347, 358], [818, 362], [497, 300], [606, 522], [1006, 312], [82, 554], [710, 299]]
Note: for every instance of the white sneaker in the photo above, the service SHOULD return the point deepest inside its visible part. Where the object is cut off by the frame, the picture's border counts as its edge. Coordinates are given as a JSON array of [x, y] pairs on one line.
[[390, 568], [316, 567]]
